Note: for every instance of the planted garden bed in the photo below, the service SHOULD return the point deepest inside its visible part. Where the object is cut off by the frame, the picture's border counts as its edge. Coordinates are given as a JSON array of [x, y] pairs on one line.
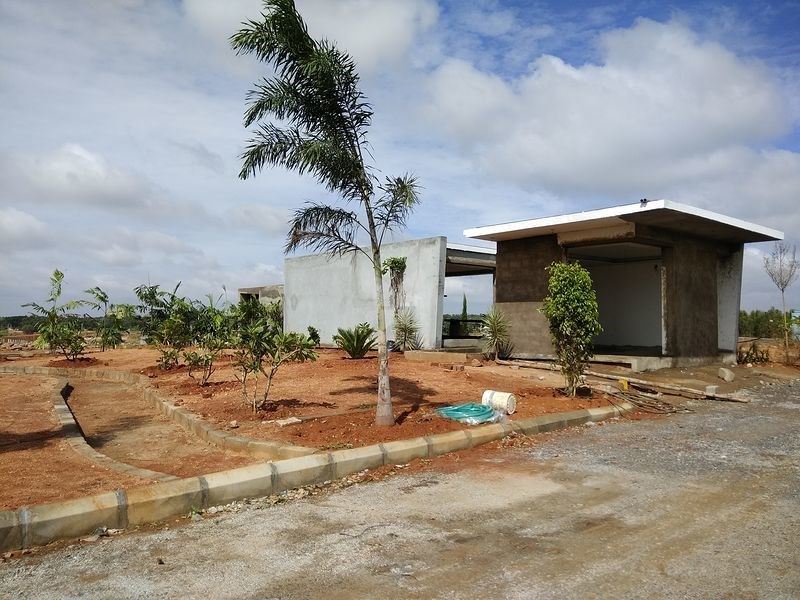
[[335, 396]]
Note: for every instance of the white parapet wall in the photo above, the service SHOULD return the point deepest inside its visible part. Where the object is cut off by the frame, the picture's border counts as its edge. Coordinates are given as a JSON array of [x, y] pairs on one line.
[[330, 292]]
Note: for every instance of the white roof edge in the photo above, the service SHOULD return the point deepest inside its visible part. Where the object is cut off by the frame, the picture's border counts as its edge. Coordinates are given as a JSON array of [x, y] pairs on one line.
[[618, 211], [470, 248]]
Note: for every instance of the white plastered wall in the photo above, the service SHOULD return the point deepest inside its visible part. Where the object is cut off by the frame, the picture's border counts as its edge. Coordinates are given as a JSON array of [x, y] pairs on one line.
[[629, 299], [331, 292]]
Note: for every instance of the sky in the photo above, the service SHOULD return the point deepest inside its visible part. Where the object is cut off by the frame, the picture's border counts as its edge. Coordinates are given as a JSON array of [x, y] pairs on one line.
[[122, 129]]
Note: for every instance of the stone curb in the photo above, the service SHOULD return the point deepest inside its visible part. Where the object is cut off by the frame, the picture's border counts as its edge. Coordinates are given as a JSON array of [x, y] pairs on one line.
[[29, 526], [269, 450], [74, 435]]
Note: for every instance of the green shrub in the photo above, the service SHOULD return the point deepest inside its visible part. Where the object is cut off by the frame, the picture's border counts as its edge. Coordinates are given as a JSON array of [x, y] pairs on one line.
[[495, 332], [313, 335], [261, 348], [356, 341], [571, 308], [406, 331], [58, 329]]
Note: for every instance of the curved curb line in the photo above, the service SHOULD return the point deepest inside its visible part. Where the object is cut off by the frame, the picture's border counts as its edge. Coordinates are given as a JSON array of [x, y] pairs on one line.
[[269, 450], [73, 433], [44, 523]]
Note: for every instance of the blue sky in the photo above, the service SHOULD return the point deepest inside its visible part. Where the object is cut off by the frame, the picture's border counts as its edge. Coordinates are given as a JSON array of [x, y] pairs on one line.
[[122, 128]]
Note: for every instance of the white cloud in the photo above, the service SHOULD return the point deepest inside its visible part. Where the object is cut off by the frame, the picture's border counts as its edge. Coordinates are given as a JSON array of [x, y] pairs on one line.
[[658, 103], [374, 32], [20, 230], [261, 217]]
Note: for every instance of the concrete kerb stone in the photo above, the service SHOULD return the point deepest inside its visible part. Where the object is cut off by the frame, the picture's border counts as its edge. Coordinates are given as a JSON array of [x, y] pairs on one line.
[[235, 484], [453, 441], [346, 462], [71, 518], [10, 531], [404, 451], [151, 503], [304, 470]]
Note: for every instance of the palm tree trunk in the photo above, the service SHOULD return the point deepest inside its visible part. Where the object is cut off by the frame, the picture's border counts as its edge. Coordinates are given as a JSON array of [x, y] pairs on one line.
[[384, 415]]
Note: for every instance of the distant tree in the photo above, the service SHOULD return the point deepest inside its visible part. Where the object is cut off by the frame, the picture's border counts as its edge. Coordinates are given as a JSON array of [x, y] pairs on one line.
[[571, 308], [318, 124], [464, 312], [782, 267]]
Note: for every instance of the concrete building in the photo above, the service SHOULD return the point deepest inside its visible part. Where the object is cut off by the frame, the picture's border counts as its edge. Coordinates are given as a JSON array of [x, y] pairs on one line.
[[668, 279], [331, 292], [266, 294]]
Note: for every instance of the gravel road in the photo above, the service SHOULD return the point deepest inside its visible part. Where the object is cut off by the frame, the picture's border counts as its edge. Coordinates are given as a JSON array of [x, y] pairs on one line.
[[700, 505]]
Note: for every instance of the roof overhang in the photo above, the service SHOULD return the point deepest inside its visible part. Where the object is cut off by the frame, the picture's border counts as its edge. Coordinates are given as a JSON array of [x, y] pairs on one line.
[[469, 260], [663, 214]]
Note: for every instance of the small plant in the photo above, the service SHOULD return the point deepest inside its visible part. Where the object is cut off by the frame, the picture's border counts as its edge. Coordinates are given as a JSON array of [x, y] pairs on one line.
[[753, 354], [495, 332], [261, 348], [112, 323], [166, 321], [58, 329], [396, 267], [571, 308], [406, 331], [209, 327], [313, 335], [274, 312], [356, 341]]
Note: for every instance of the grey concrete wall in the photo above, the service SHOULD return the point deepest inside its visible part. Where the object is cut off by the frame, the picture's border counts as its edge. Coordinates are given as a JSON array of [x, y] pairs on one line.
[[729, 295], [332, 292], [691, 298], [530, 333], [521, 275], [629, 299], [520, 287]]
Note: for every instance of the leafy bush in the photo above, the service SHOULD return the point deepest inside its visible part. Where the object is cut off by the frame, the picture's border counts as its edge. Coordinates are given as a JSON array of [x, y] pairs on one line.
[[111, 325], [495, 332], [313, 335], [261, 348], [571, 308], [274, 312], [166, 321], [210, 331], [356, 341], [406, 331], [58, 329]]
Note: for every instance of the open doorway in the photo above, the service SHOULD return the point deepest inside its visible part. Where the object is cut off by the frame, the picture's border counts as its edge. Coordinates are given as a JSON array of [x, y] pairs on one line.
[[627, 277]]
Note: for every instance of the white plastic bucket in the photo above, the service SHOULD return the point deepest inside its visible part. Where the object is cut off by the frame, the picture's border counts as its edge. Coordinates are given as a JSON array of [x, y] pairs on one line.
[[503, 401]]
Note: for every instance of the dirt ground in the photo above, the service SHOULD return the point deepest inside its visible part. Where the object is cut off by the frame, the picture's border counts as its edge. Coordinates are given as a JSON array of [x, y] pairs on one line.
[[698, 505], [117, 422], [335, 396], [37, 465]]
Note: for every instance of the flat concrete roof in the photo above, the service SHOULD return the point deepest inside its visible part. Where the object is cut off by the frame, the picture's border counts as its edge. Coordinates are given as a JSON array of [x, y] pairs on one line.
[[665, 214], [463, 259]]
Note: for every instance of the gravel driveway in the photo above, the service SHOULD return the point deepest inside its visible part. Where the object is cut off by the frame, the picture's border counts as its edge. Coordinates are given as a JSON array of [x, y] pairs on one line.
[[698, 505]]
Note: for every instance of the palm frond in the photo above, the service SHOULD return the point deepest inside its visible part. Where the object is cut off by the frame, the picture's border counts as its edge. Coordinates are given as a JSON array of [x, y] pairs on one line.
[[324, 228], [400, 196]]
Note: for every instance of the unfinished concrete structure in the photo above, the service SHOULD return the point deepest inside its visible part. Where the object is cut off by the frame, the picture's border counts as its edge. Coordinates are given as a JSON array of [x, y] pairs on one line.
[[331, 292], [266, 294], [668, 279]]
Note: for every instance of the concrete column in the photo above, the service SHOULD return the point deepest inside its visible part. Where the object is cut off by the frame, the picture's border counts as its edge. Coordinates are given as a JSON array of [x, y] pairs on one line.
[[729, 295]]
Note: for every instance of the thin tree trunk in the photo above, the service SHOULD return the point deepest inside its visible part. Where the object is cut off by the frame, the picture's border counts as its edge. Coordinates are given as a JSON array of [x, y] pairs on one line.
[[785, 328], [384, 415]]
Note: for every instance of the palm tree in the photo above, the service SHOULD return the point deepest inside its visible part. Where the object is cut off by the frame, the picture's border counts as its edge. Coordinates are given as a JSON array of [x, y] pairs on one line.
[[319, 122]]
